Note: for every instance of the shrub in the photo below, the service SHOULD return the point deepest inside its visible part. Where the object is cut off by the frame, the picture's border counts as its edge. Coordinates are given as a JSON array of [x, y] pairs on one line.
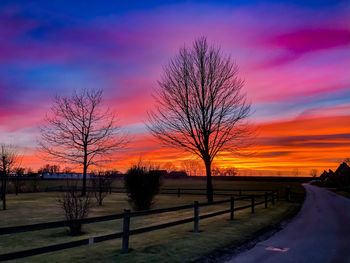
[[75, 208], [142, 185]]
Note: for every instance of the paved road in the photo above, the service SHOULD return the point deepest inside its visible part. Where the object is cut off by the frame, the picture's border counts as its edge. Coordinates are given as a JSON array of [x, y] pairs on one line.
[[319, 233]]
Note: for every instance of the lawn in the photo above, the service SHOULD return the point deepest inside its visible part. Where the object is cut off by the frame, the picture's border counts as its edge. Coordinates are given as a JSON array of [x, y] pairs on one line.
[[175, 244], [218, 183]]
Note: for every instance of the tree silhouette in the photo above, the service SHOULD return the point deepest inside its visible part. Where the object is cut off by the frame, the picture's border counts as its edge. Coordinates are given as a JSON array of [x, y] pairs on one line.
[[9, 160], [200, 105], [81, 130], [313, 172]]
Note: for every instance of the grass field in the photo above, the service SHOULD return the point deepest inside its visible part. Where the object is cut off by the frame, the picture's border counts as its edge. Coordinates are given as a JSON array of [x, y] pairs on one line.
[[41, 185], [175, 244]]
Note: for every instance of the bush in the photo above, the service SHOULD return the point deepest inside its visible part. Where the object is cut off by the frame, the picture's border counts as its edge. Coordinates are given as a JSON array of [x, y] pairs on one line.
[[142, 185], [75, 207]]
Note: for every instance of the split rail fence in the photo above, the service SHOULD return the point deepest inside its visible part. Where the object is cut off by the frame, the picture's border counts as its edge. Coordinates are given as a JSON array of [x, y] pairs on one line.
[[126, 232]]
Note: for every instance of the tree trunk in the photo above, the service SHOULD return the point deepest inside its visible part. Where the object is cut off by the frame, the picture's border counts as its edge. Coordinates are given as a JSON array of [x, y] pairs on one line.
[[4, 181], [83, 190], [2, 185], [209, 180]]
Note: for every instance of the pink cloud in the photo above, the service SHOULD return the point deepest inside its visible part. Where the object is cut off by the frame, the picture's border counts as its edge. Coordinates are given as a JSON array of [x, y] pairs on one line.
[[311, 39], [298, 42]]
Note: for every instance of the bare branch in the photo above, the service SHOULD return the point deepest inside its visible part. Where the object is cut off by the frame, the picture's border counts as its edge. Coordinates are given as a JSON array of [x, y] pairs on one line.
[[201, 107], [81, 131]]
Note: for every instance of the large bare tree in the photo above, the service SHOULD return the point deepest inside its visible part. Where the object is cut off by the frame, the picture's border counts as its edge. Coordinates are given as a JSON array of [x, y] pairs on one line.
[[201, 107], [81, 130], [9, 160]]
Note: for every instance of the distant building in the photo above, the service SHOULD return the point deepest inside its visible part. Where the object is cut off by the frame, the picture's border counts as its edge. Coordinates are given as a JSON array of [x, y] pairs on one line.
[[64, 176], [340, 178]]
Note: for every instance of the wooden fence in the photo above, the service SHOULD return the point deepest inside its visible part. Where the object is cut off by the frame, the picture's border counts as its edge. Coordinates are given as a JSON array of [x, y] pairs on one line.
[[126, 231], [177, 191]]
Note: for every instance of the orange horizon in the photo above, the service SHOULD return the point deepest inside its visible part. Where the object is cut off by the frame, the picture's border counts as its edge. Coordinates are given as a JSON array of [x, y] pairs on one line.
[[287, 147]]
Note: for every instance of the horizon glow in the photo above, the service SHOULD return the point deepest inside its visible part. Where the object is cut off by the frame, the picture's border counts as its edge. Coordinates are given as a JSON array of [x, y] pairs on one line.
[[294, 57]]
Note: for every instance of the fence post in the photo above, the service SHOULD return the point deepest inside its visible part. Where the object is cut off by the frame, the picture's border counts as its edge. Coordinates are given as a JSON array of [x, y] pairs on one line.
[[272, 197], [266, 198], [240, 192], [196, 216], [253, 203], [277, 195], [232, 208], [178, 192], [126, 228]]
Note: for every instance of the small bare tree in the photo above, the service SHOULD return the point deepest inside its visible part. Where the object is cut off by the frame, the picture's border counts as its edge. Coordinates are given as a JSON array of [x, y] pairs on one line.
[[313, 172], [295, 172], [200, 105], [101, 186], [169, 167], [81, 130], [192, 167], [75, 207], [51, 169], [9, 159]]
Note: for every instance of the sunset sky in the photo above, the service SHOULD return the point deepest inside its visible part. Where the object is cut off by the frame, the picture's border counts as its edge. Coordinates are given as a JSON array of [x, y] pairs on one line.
[[294, 57]]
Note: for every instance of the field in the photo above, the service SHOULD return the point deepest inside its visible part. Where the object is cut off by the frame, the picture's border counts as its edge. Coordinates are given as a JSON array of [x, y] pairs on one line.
[[175, 244], [218, 183]]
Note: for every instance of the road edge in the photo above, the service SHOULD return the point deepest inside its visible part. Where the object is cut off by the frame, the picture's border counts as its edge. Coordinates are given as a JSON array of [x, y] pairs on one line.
[[227, 253]]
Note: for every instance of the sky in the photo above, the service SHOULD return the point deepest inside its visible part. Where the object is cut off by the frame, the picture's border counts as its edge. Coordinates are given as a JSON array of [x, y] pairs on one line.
[[293, 55]]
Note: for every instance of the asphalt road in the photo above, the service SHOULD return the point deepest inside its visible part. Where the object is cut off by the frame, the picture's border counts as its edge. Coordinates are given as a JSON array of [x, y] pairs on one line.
[[319, 233]]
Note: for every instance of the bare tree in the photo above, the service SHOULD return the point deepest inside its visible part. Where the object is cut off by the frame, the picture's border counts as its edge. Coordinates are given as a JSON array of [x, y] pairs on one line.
[[295, 172], [215, 170], [313, 172], [169, 167], [200, 105], [81, 130], [230, 171], [67, 170], [51, 169], [9, 159], [192, 167], [74, 207], [101, 186]]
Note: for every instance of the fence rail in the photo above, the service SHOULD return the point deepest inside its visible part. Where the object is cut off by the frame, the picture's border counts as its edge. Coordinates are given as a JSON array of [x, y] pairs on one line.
[[64, 223], [269, 196], [176, 191], [59, 188]]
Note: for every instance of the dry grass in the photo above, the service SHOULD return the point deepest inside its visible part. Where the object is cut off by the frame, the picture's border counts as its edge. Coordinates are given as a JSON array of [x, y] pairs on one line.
[[175, 244]]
